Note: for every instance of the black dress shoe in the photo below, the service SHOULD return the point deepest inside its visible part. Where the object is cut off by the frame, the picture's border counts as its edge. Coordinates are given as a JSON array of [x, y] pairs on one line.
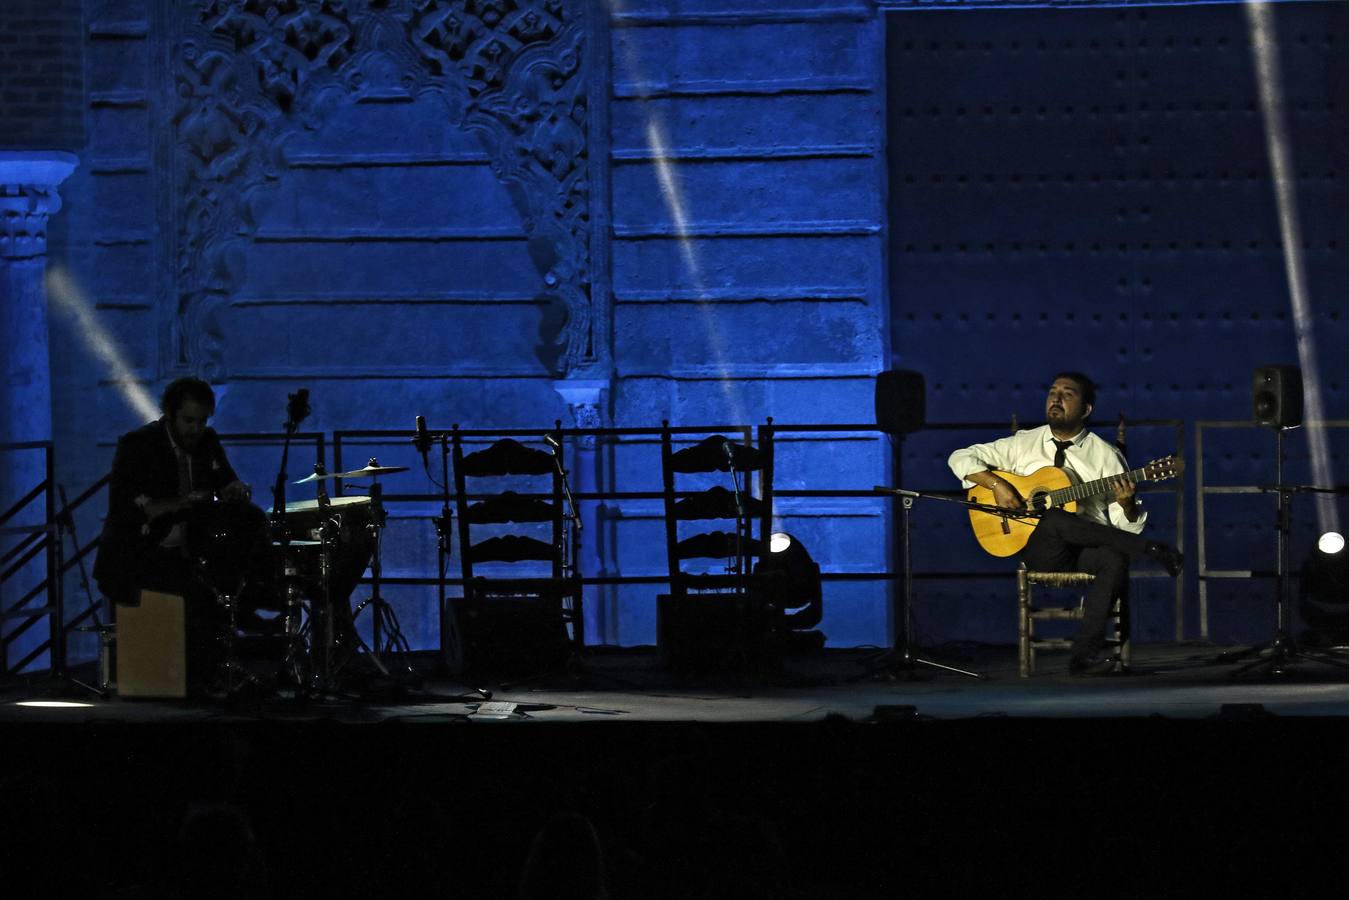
[[1171, 559], [1090, 666]]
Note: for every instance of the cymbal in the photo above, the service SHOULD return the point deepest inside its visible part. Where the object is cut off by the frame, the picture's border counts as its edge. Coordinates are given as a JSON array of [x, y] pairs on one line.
[[371, 470], [308, 506]]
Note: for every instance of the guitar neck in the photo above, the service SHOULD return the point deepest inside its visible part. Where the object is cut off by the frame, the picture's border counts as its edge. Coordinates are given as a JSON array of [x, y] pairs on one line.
[[1092, 488]]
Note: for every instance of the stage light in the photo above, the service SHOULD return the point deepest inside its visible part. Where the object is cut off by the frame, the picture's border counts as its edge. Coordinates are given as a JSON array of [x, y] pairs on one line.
[[1324, 592], [793, 581], [53, 704]]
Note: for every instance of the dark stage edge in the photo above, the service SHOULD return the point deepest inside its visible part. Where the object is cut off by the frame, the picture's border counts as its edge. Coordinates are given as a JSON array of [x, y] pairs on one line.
[[1173, 779]]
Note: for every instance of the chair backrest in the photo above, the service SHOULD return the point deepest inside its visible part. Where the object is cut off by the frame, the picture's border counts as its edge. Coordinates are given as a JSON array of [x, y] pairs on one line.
[[750, 519], [486, 483]]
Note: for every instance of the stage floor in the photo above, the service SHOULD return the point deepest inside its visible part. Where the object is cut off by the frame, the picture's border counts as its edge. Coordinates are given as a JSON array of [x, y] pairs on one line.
[[814, 782], [1184, 681]]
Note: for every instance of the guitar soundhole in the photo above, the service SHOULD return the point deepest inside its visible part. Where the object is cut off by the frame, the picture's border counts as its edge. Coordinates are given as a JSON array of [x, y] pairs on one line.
[[1037, 501]]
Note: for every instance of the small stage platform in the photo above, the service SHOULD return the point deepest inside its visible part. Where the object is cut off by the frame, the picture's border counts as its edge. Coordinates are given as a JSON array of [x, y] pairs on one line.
[[812, 782], [1187, 681]]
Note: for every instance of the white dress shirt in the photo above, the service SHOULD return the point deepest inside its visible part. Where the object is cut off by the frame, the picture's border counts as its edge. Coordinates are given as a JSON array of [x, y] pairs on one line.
[[1089, 458]]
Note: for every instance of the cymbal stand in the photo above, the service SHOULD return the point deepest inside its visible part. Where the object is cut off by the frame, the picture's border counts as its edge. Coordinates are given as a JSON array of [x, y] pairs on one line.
[[381, 607], [321, 613], [297, 409], [902, 656]]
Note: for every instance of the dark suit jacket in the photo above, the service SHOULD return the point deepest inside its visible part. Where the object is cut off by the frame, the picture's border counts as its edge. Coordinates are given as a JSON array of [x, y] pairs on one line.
[[145, 465]]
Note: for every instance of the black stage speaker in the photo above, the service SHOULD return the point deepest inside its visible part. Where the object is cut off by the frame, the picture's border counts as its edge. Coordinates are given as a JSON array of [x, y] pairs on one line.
[[901, 401], [505, 635], [1276, 396], [703, 633]]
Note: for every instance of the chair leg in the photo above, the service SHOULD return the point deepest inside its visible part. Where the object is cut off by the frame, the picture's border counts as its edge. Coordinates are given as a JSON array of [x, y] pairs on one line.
[[1123, 633], [1025, 653]]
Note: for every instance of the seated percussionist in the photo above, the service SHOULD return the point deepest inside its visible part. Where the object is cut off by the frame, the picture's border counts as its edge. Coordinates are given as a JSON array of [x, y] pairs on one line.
[[1102, 536], [172, 488]]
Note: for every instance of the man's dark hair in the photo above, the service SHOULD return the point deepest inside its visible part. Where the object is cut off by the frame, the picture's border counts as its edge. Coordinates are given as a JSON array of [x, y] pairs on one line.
[[181, 390], [1085, 386]]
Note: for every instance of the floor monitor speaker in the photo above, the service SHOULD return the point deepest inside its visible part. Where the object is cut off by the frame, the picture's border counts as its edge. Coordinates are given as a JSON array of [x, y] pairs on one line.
[[901, 401], [1276, 396], [505, 635]]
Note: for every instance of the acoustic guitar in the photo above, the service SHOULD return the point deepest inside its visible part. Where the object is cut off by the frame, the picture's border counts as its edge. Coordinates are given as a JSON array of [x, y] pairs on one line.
[[1004, 534]]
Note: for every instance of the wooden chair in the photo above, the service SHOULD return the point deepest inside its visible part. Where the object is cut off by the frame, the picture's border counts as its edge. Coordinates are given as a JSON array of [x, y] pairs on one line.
[[718, 617], [1028, 614], [519, 614]]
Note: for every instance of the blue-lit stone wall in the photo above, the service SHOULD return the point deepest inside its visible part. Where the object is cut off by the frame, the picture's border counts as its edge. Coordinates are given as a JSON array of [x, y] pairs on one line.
[[510, 213], [495, 214], [1091, 189]]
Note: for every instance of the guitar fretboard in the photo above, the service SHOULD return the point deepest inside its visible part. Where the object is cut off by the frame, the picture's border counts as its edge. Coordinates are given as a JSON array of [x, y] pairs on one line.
[[1086, 489]]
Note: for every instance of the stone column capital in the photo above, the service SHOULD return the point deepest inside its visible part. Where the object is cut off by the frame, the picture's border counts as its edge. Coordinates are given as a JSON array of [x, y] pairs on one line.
[[28, 197], [585, 400]]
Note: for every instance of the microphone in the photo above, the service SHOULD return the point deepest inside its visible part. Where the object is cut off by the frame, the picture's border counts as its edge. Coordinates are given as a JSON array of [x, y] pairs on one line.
[[552, 442], [422, 441], [297, 409], [730, 454]]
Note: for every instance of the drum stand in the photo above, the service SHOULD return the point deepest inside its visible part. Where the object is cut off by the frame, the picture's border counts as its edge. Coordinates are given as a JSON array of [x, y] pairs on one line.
[[381, 610], [322, 671], [230, 671], [230, 675]]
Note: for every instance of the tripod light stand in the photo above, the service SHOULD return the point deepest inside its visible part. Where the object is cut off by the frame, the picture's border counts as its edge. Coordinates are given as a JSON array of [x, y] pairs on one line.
[[1277, 657]]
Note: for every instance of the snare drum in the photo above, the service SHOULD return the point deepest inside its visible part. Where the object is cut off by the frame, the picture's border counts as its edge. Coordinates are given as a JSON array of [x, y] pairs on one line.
[[353, 542], [229, 542]]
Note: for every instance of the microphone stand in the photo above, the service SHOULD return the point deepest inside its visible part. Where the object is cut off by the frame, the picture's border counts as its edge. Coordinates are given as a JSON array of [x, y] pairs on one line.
[[571, 548], [901, 657], [741, 520], [443, 541], [422, 441]]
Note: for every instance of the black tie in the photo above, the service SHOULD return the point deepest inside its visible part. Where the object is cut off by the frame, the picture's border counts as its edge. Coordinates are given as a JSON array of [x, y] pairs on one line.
[[1060, 452]]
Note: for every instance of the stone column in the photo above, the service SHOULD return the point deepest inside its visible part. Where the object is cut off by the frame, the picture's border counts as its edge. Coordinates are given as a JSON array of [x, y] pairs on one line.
[[586, 399], [28, 183]]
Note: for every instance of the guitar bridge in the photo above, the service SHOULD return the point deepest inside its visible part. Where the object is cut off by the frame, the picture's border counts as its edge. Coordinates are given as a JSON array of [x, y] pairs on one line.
[[1006, 528]]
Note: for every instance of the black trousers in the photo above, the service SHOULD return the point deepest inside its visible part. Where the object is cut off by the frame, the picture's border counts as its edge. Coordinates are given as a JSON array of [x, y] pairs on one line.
[[1064, 542]]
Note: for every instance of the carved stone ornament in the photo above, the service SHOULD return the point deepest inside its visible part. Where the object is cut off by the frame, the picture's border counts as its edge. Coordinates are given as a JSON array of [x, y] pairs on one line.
[[28, 198], [251, 72], [586, 400]]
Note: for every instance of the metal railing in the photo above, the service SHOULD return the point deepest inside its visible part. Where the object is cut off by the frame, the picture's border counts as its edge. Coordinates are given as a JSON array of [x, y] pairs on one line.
[[1205, 490], [49, 537], [34, 540], [343, 439]]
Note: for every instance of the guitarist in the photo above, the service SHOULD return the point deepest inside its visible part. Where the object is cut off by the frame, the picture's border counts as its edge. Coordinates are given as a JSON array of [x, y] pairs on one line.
[[167, 478], [1101, 537]]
